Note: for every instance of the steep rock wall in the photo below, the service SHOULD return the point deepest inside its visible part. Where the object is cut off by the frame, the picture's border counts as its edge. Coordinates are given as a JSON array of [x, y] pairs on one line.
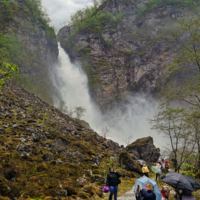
[[38, 44], [130, 56]]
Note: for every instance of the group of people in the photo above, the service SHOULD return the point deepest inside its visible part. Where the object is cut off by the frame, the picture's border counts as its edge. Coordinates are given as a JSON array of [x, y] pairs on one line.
[[159, 166], [146, 193]]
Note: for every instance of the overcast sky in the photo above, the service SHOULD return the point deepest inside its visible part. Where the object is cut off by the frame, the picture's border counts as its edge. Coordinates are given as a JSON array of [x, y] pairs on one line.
[[60, 10]]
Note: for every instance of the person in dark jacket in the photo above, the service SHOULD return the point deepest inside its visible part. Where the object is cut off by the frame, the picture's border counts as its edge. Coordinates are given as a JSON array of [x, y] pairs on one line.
[[146, 193], [112, 182]]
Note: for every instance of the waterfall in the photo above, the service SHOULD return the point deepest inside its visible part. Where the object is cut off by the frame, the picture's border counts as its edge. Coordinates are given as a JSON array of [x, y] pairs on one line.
[[129, 120]]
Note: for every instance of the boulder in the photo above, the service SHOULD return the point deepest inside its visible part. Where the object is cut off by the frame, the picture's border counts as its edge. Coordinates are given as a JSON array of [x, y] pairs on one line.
[[130, 165], [145, 148], [141, 162], [111, 144]]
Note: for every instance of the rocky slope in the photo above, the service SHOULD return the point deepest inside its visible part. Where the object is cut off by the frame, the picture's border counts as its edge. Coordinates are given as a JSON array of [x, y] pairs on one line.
[[127, 57], [37, 42], [46, 154]]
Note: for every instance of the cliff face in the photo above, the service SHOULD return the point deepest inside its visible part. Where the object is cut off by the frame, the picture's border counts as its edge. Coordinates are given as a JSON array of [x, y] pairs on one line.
[[38, 44], [128, 56]]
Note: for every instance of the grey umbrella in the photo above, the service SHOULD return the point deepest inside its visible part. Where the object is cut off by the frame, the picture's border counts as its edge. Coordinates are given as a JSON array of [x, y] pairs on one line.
[[180, 182]]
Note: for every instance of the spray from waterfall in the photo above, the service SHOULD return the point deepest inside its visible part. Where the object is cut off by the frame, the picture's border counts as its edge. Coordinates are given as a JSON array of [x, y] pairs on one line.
[[128, 120]]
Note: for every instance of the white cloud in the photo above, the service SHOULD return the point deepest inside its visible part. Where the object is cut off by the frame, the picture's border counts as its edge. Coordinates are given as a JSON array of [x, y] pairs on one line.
[[61, 10]]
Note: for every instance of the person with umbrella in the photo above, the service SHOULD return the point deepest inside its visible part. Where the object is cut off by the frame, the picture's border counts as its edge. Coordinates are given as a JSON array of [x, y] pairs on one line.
[[145, 194], [146, 189], [166, 165], [185, 195], [181, 182]]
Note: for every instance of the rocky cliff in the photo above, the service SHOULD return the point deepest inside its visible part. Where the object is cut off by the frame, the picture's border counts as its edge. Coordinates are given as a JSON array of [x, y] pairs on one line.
[[36, 48], [126, 56]]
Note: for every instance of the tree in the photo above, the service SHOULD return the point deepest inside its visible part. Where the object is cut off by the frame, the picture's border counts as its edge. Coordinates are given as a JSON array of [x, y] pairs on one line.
[[80, 112], [173, 124], [183, 74], [128, 140], [105, 132], [6, 71]]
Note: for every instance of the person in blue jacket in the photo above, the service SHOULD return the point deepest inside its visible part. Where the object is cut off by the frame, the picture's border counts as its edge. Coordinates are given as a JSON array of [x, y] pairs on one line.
[[145, 194]]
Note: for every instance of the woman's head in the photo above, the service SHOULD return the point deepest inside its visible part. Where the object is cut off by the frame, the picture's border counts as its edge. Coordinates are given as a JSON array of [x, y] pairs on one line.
[[165, 191], [111, 169], [149, 186], [144, 165]]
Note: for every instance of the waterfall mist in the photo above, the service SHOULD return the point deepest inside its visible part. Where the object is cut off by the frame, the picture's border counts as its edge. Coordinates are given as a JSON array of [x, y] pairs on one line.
[[128, 120]]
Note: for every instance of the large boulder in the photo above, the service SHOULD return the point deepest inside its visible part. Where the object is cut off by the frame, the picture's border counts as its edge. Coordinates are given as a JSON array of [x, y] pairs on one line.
[[126, 160], [145, 148]]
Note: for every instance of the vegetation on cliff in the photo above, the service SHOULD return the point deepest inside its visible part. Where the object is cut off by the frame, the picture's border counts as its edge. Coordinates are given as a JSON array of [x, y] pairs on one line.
[[19, 20]]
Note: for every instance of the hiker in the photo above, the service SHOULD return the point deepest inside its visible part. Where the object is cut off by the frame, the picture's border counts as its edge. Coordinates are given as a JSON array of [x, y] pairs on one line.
[[162, 158], [158, 167], [165, 193], [145, 194], [185, 195], [166, 166], [145, 170], [112, 182]]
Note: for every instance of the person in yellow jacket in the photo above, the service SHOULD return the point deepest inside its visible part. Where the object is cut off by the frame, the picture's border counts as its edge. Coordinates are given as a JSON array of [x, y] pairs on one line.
[[145, 170]]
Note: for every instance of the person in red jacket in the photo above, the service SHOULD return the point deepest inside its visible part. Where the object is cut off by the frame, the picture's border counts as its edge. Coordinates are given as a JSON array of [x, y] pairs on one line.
[[165, 193]]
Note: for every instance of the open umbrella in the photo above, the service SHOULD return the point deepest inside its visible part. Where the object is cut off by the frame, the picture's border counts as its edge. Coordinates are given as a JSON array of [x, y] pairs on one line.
[[168, 161], [180, 182], [143, 180], [155, 169]]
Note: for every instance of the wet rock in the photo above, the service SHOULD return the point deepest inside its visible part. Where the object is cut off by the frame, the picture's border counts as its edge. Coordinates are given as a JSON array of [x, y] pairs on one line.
[[15, 125], [2, 131], [31, 121], [111, 144], [64, 192], [58, 161], [145, 148], [58, 149], [141, 162], [3, 187], [130, 165], [48, 157]]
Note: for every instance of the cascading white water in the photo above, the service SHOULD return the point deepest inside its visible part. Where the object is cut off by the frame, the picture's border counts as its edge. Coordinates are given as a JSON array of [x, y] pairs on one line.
[[72, 84]]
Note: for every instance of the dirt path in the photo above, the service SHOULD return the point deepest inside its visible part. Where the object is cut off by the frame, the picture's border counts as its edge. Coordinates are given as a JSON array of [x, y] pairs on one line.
[[128, 195]]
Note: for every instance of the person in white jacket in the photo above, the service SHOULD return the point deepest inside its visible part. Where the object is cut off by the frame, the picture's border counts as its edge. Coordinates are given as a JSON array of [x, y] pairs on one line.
[[158, 167]]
